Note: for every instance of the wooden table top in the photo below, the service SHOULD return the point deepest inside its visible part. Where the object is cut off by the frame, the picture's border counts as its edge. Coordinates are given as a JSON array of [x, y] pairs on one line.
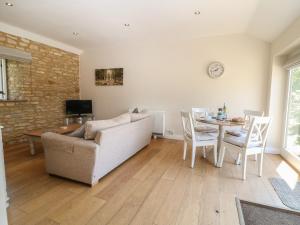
[[221, 122], [60, 130]]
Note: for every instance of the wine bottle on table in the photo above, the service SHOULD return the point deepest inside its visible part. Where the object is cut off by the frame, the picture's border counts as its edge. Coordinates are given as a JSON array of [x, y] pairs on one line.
[[225, 111]]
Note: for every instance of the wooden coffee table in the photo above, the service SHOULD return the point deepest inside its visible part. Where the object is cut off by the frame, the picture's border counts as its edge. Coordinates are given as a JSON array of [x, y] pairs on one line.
[[35, 135]]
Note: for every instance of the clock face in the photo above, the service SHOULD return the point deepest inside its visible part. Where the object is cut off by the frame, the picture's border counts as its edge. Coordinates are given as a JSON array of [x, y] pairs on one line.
[[215, 69]]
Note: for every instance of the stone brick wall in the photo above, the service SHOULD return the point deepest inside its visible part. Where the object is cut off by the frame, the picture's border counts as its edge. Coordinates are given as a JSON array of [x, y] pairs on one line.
[[44, 85], [18, 79]]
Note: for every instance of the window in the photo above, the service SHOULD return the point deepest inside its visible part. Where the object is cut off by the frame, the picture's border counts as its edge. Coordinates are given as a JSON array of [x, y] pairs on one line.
[[293, 113], [3, 83]]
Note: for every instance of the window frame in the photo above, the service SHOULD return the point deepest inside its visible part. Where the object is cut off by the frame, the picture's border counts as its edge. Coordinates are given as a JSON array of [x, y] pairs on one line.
[[3, 79], [287, 107], [286, 112]]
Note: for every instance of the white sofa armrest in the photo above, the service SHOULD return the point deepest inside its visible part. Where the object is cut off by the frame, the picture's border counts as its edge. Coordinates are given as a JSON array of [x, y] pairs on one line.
[[70, 157]]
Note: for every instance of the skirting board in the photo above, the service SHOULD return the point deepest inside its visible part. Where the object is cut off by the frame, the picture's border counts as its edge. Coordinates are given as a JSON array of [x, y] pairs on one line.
[[174, 137], [272, 150], [269, 149]]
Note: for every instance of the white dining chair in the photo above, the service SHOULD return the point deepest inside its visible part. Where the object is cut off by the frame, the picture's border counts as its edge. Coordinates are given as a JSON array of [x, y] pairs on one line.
[[248, 115], [196, 139], [202, 113], [253, 143]]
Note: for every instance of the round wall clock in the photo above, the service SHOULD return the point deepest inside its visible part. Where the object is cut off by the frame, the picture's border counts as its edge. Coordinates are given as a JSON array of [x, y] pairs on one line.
[[215, 70]]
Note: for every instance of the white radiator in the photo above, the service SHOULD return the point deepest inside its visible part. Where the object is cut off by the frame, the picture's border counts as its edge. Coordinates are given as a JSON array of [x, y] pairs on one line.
[[158, 120]]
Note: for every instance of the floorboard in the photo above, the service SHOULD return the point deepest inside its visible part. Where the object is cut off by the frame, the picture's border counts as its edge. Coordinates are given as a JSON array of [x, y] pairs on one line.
[[156, 186]]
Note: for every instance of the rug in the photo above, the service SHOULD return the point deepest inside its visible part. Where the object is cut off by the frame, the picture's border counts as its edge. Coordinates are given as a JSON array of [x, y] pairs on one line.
[[289, 197], [251, 213]]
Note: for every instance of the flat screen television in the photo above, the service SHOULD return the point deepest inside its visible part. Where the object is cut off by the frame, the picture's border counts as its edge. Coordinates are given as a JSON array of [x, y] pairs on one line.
[[79, 107]]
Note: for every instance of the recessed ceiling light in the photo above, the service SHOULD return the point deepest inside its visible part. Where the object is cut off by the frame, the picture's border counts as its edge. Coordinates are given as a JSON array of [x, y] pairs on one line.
[[75, 33], [197, 12], [127, 25], [9, 4]]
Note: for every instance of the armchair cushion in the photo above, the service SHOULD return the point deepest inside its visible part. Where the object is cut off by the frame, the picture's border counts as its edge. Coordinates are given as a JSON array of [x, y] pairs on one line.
[[240, 141], [206, 129], [238, 132], [204, 136]]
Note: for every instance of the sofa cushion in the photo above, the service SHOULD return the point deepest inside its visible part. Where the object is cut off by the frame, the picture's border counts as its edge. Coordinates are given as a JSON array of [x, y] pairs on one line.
[[138, 116], [136, 110], [78, 132], [91, 127]]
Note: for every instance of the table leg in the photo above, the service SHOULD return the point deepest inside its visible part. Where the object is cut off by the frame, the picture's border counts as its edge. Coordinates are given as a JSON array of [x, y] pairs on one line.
[[31, 145], [220, 137]]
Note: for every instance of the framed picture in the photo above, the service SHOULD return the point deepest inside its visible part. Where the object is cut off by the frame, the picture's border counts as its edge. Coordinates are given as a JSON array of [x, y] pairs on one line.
[[109, 77]]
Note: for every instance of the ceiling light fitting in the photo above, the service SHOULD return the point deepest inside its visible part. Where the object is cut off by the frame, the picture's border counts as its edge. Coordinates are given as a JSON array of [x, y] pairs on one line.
[[9, 4], [75, 33], [197, 12], [127, 25]]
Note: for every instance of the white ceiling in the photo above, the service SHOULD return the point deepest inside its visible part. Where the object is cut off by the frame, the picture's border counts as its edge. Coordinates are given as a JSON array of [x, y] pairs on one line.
[[103, 20]]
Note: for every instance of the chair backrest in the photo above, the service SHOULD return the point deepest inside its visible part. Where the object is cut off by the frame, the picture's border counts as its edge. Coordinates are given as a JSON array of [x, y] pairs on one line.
[[258, 131], [248, 116], [188, 126]]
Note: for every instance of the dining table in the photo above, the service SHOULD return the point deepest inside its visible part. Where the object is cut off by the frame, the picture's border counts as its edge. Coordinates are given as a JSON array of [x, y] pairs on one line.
[[221, 125]]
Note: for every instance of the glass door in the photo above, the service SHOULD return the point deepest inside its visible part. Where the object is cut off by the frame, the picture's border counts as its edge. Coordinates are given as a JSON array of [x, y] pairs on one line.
[[292, 138]]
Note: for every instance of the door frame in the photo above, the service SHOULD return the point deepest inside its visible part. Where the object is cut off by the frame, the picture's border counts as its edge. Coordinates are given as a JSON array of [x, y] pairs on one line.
[[3, 195], [291, 157]]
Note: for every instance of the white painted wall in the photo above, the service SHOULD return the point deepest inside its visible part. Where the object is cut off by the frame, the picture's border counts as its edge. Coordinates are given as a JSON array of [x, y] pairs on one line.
[[288, 40], [171, 75]]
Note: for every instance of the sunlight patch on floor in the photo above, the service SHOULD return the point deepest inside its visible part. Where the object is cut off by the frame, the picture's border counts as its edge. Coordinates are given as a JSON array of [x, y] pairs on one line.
[[287, 173]]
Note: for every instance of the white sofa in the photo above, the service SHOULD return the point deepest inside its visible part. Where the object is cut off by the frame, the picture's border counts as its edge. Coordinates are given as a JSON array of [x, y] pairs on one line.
[[89, 160]]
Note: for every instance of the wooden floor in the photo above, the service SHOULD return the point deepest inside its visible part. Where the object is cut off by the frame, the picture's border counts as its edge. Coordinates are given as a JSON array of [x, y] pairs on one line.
[[154, 187]]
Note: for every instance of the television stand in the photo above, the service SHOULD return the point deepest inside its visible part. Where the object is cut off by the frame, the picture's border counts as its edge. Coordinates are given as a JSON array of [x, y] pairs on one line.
[[78, 119]]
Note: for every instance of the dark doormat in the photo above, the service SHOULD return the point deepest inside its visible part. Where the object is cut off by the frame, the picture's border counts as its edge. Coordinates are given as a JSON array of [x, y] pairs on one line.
[[251, 213]]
